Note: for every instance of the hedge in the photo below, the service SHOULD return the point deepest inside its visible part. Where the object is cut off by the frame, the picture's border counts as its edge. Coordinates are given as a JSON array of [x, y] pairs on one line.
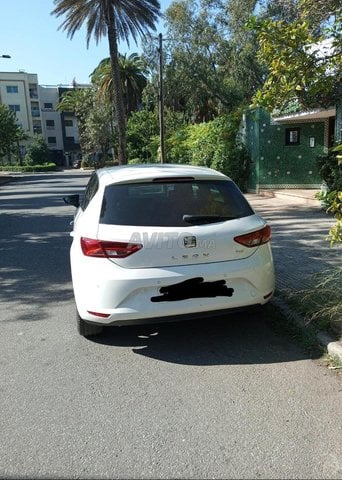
[[47, 167]]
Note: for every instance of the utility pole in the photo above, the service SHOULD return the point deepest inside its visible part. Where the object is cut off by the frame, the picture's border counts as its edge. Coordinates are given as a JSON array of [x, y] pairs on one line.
[[161, 100]]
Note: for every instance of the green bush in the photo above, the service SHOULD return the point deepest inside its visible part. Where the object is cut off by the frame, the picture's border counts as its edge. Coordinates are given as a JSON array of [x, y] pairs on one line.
[[213, 144], [335, 232], [330, 171], [177, 149], [142, 136], [37, 151], [234, 163], [46, 167]]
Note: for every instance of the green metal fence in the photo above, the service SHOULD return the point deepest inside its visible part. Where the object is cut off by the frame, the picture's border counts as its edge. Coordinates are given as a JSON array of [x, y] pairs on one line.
[[279, 158]]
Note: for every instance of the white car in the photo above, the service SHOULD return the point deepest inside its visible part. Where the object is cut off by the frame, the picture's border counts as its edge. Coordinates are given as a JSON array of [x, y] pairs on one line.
[[165, 242]]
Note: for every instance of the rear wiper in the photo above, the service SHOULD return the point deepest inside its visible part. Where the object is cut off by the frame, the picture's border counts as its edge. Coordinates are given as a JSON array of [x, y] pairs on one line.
[[201, 219]]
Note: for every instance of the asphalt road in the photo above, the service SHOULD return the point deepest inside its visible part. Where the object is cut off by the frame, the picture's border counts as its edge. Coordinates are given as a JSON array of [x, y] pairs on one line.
[[218, 399]]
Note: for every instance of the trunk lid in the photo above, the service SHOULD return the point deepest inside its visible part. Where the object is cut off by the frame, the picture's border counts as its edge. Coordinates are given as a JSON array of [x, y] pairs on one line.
[[164, 247]]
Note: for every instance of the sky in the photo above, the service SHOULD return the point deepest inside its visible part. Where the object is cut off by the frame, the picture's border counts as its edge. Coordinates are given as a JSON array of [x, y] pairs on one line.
[[30, 35]]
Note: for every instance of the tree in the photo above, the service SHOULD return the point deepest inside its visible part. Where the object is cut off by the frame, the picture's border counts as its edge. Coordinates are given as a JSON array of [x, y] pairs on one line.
[[79, 101], [133, 80], [286, 10], [20, 137], [9, 130], [303, 57], [210, 64], [116, 19], [132, 77], [98, 134], [239, 52], [194, 80]]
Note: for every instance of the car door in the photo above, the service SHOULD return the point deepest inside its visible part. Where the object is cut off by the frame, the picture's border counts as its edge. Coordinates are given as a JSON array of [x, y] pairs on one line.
[[90, 191]]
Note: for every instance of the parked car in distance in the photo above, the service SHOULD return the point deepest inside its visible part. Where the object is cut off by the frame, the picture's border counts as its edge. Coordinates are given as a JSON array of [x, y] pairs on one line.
[[165, 242], [77, 163]]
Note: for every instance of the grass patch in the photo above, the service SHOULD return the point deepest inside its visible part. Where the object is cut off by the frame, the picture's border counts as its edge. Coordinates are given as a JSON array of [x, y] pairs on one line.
[[321, 305]]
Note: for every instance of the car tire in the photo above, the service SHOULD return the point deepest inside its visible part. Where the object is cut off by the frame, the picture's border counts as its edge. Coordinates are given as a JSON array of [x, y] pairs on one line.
[[86, 329]]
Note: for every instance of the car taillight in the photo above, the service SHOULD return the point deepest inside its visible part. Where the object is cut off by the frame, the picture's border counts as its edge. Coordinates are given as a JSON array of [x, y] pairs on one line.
[[102, 248], [255, 239]]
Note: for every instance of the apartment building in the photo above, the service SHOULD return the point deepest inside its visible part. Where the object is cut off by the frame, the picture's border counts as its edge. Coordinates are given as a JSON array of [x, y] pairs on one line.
[[35, 107], [71, 140], [59, 128], [19, 91]]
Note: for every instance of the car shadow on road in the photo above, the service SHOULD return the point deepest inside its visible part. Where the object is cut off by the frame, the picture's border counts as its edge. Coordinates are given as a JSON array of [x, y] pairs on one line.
[[233, 339]]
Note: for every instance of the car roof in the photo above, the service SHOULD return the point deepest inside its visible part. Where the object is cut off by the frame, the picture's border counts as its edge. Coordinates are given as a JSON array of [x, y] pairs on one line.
[[148, 172]]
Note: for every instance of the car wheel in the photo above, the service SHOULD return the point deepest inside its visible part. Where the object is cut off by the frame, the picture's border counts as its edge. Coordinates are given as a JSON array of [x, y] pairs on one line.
[[86, 329]]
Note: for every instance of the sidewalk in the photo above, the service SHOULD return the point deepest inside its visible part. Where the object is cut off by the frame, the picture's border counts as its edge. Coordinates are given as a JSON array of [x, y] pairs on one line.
[[299, 234], [299, 230], [304, 197]]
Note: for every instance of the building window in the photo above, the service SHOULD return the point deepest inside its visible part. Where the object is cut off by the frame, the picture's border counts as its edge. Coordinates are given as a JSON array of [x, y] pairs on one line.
[[11, 89], [48, 106], [52, 140], [70, 139], [292, 136], [50, 124], [37, 126], [68, 123], [14, 108]]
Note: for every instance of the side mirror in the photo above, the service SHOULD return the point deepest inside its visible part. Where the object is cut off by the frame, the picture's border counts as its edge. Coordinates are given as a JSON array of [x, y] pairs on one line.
[[73, 200]]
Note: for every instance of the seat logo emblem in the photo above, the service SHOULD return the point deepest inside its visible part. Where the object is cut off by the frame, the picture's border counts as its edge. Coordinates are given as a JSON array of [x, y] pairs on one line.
[[190, 241]]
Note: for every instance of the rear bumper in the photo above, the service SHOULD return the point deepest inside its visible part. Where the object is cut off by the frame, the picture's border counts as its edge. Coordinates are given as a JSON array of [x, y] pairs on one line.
[[181, 317], [125, 294]]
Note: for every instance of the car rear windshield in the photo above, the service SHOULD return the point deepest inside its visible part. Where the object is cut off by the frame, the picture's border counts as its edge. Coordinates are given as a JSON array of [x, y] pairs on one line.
[[173, 203]]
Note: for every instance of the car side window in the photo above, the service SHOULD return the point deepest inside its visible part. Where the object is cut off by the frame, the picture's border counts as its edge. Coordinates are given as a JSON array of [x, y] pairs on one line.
[[90, 190]]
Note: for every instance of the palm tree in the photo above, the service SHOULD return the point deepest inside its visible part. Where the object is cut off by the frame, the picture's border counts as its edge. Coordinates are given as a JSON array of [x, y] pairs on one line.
[[133, 80], [102, 78], [79, 101], [116, 19]]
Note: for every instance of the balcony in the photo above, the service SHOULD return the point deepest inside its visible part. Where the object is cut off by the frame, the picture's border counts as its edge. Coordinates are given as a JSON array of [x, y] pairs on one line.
[[33, 88]]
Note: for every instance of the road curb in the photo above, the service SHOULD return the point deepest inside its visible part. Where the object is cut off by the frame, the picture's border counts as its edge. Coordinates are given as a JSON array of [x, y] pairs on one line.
[[324, 339], [333, 348]]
